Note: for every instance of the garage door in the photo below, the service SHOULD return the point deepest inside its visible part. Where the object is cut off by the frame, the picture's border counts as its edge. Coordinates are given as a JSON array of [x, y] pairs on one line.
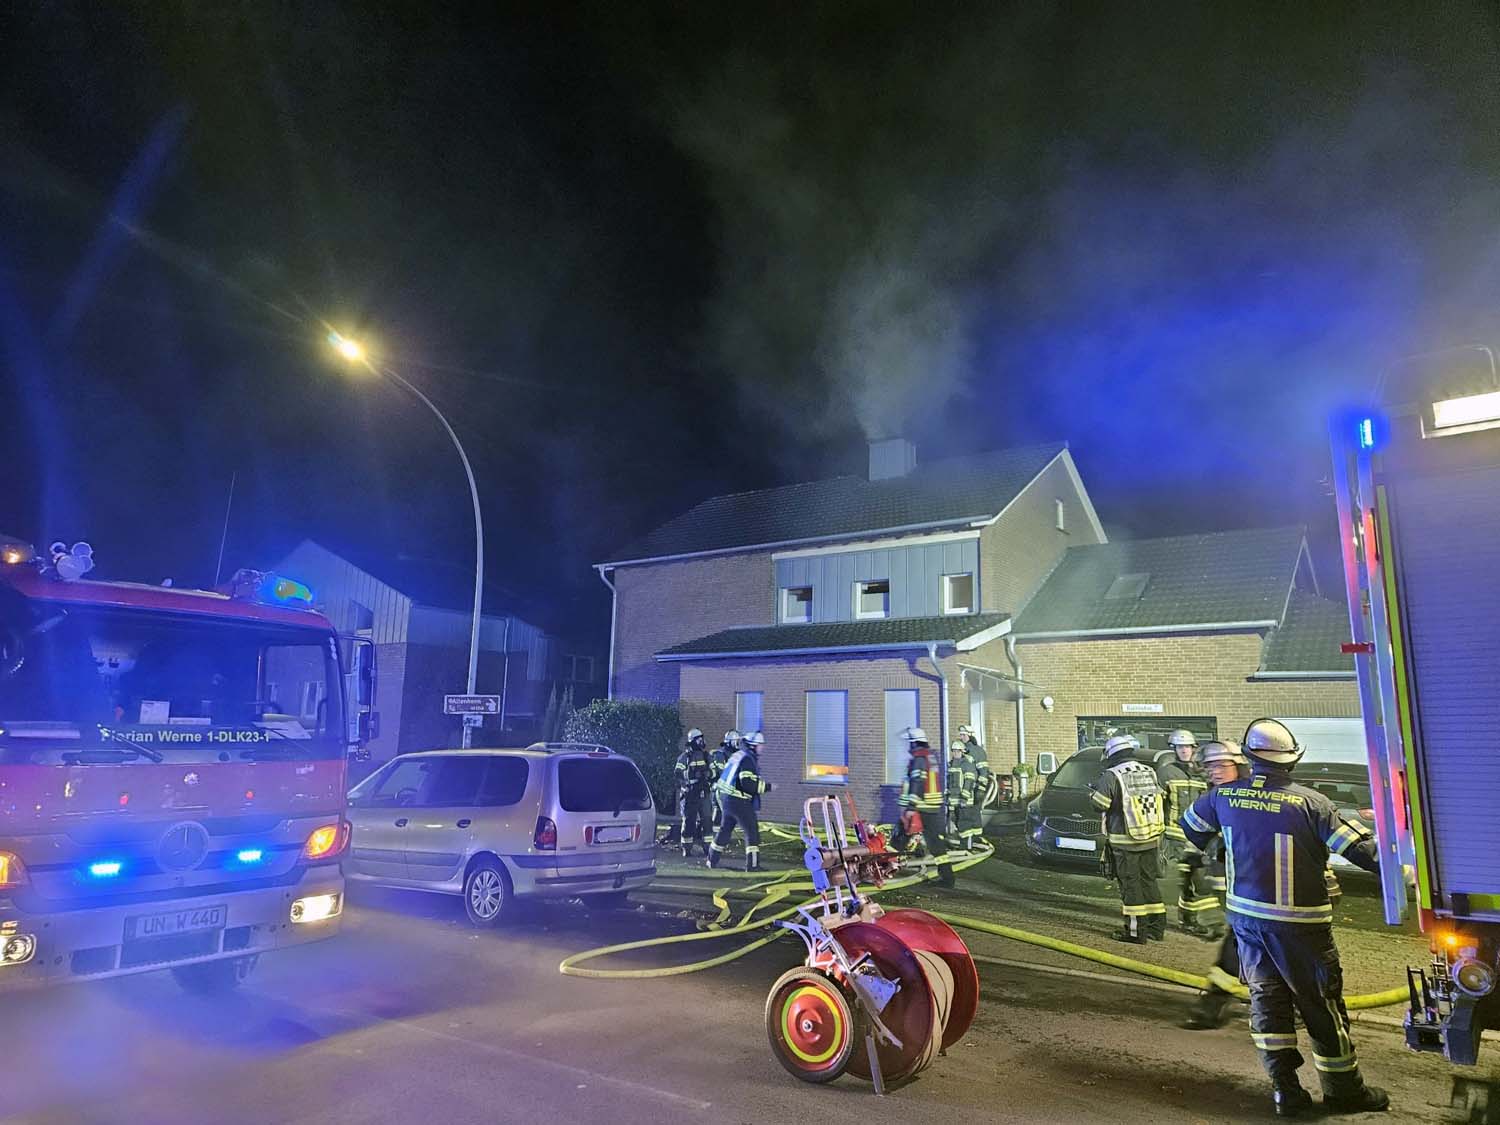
[[1330, 740]]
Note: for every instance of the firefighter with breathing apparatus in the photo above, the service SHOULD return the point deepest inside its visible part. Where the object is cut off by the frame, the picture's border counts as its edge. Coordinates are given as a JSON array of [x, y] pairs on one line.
[[695, 778], [1182, 781], [721, 755], [1128, 795], [922, 804], [1277, 839], [962, 795], [977, 754], [739, 789]]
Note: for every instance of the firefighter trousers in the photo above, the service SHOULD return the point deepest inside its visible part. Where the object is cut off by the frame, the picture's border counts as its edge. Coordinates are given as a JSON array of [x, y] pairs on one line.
[[1197, 899], [695, 809], [1293, 968], [1139, 874], [934, 825], [970, 826], [738, 811]]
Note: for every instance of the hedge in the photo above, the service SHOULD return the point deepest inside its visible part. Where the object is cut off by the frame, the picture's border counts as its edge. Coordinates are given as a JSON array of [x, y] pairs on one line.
[[649, 734]]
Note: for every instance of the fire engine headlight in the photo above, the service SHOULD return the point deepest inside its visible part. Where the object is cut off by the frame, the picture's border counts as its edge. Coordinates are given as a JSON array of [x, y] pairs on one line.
[[17, 949], [1473, 977], [316, 908]]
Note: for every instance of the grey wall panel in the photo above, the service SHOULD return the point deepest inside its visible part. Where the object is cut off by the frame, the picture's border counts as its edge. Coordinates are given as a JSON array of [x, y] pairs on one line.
[[915, 574]]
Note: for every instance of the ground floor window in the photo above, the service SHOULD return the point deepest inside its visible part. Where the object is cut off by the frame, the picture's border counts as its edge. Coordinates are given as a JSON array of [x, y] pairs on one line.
[[747, 711], [900, 717], [1152, 730], [828, 736]]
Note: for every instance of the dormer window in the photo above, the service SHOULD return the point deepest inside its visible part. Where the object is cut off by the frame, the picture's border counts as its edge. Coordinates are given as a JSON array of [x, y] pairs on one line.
[[872, 599], [958, 593], [796, 605]]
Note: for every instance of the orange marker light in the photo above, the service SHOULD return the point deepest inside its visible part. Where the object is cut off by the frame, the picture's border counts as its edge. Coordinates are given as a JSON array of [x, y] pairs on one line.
[[326, 841]]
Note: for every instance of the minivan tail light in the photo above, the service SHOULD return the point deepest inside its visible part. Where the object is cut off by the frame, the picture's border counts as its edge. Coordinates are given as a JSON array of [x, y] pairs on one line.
[[545, 836]]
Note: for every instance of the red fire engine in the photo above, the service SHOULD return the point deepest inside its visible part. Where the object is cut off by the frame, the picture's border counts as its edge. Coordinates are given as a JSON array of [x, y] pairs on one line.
[[172, 773]]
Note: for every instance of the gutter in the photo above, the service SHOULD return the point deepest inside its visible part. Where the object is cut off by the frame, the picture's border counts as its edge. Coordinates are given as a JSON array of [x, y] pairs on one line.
[[1330, 675], [1150, 630], [942, 730], [755, 654], [614, 605], [1015, 660]]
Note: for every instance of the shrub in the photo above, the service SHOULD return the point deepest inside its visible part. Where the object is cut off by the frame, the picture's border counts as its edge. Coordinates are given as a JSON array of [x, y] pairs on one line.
[[649, 734]]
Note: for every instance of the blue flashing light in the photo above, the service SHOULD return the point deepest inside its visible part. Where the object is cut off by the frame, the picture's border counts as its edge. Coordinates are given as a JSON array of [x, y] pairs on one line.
[[250, 855], [1367, 433], [105, 868]]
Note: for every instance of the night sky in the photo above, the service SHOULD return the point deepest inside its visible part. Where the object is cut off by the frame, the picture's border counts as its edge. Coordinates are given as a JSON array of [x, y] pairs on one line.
[[642, 254]]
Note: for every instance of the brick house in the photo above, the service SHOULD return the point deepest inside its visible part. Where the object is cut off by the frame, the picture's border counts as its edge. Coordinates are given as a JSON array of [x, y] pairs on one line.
[[834, 614]]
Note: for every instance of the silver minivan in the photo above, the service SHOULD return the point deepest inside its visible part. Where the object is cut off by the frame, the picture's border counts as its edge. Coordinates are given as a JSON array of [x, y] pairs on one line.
[[556, 820]]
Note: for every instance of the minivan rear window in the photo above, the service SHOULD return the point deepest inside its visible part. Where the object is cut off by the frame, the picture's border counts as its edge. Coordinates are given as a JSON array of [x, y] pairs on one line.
[[600, 785]]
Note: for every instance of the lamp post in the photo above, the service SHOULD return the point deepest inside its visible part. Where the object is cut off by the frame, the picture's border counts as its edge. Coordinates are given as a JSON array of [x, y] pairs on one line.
[[352, 351]]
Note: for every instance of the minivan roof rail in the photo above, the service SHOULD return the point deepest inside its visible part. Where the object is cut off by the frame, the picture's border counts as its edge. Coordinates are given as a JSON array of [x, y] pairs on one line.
[[564, 747]]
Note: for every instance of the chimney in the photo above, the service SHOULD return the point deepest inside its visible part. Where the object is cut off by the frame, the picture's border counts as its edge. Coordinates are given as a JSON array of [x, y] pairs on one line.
[[891, 458]]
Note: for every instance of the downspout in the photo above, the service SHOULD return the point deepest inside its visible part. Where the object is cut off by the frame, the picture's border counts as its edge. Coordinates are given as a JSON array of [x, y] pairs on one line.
[[614, 602], [1015, 662], [942, 726], [505, 675]]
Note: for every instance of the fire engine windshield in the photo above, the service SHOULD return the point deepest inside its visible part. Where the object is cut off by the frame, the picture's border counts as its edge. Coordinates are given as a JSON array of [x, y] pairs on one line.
[[88, 684]]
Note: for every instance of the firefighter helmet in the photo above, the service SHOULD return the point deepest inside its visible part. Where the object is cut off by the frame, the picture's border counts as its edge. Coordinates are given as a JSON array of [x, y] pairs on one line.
[[1121, 744], [1183, 743], [958, 746], [1269, 741], [694, 735], [916, 734], [731, 739], [966, 729], [1223, 750], [754, 740]]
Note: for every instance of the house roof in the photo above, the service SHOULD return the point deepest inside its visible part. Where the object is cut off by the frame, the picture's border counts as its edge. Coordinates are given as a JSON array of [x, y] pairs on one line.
[[1308, 640], [963, 630], [1228, 578], [951, 491]]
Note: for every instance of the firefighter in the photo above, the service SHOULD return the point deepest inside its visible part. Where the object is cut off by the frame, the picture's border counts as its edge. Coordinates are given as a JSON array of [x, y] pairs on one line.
[[964, 795], [1131, 800], [1277, 839], [721, 755], [695, 778], [1182, 781], [739, 789], [922, 804], [981, 759], [1225, 764]]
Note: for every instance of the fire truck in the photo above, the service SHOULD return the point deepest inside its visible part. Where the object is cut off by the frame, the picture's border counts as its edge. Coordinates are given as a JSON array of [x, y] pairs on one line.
[[172, 773], [1417, 481]]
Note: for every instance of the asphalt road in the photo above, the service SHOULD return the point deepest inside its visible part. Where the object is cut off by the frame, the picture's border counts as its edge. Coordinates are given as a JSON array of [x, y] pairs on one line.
[[412, 1016]]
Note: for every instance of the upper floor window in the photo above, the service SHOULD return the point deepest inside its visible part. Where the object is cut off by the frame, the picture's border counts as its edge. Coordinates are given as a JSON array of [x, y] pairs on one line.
[[958, 593], [872, 599], [581, 669], [796, 605]]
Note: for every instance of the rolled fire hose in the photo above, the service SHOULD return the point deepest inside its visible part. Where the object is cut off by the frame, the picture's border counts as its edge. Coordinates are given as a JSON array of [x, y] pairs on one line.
[[778, 889]]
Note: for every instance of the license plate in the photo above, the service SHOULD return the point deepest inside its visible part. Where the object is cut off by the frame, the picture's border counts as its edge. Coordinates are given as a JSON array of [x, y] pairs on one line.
[[170, 922], [1077, 845], [614, 834]]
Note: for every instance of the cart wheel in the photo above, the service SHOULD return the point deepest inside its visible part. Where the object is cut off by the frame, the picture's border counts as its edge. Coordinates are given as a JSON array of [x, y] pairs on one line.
[[811, 1025]]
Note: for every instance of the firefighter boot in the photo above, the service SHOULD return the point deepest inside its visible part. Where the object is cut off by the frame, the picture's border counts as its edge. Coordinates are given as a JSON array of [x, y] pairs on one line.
[[1367, 1099], [1130, 937], [1291, 1100], [752, 859], [687, 848], [1208, 1010], [1156, 927], [713, 856]]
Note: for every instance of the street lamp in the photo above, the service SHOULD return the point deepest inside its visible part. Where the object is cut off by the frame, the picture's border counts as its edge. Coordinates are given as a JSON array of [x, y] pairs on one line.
[[353, 352]]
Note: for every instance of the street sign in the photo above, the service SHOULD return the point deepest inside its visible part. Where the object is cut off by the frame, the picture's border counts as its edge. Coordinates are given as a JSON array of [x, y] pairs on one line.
[[472, 720], [471, 705], [1141, 708]]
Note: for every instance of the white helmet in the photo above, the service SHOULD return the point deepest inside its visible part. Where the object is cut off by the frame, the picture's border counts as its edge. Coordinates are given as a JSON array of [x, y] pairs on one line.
[[1121, 744], [916, 734], [966, 729], [1183, 743], [754, 740], [731, 738], [958, 745], [1224, 750], [1269, 741], [694, 735]]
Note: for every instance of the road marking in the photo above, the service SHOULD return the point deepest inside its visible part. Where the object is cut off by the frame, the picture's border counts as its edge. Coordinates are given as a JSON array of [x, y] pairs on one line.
[[503, 1052]]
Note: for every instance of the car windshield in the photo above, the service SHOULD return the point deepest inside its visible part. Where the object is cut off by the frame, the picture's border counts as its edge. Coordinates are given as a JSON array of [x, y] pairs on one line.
[[600, 785], [1346, 792], [89, 684], [1075, 773]]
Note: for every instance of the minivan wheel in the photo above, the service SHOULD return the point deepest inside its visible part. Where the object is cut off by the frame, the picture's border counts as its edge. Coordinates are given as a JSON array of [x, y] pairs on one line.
[[487, 893]]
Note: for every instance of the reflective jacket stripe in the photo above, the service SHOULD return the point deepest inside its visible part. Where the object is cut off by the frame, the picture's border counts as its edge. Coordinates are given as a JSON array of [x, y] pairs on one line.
[[1271, 912]]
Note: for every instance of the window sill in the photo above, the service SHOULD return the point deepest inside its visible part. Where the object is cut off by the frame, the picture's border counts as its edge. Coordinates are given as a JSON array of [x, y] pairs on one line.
[[823, 781]]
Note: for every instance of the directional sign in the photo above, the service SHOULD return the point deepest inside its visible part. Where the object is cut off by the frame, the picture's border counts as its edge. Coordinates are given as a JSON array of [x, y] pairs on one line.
[[471, 705]]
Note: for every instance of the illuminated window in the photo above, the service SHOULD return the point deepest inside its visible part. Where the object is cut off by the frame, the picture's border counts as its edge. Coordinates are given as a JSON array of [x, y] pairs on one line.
[[872, 599], [796, 605], [828, 736]]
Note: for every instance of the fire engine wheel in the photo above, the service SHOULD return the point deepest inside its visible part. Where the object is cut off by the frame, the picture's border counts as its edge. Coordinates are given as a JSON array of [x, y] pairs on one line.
[[212, 978], [811, 1025]]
